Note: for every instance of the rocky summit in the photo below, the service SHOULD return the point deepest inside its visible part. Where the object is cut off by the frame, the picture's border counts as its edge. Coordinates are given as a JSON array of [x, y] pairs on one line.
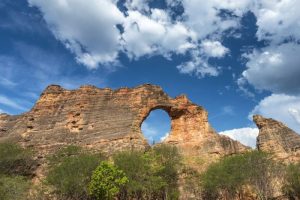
[[110, 120], [277, 138]]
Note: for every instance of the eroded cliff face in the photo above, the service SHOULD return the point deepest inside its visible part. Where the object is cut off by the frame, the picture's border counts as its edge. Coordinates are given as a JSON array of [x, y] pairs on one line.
[[277, 138], [110, 120]]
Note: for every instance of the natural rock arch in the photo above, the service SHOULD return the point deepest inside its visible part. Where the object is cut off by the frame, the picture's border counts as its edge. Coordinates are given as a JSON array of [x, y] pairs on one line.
[[111, 120], [163, 113]]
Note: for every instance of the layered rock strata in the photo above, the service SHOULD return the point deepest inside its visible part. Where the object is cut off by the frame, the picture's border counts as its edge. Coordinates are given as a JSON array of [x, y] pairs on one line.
[[275, 137], [110, 120]]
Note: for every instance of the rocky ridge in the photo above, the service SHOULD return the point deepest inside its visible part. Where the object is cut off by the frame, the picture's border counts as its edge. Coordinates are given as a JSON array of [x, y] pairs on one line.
[[275, 137], [110, 120]]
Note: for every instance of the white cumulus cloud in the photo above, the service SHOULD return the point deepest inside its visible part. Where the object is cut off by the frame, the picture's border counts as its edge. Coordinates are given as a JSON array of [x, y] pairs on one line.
[[277, 20], [282, 107], [154, 34], [103, 31], [214, 48], [198, 66], [246, 136], [275, 69], [88, 29]]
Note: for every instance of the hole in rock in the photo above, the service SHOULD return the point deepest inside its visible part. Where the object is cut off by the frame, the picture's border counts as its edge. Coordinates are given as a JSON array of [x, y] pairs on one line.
[[156, 126]]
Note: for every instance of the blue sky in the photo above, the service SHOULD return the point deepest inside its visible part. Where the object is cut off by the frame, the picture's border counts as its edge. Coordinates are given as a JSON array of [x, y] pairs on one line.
[[235, 58]]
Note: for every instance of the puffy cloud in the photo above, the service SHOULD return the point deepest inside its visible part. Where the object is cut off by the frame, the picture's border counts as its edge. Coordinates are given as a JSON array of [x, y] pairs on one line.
[[213, 48], [98, 36], [198, 66], [246, 136], [282, 107], [140, 5], [277, 20], [104, 30], [146, 35], [205, 19], [242, 85], [87, 29], [275, 69]]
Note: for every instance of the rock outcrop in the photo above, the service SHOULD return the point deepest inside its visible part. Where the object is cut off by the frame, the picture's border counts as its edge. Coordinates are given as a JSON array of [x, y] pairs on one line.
[[110, 120], [277, 138]]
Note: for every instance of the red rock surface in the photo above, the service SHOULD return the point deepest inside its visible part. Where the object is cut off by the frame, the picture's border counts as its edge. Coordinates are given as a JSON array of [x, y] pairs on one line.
[[110, 120]]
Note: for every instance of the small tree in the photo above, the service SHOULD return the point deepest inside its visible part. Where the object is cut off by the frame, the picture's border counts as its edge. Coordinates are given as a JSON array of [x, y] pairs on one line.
[[227, 177], [70, 172], [152, 174], [106, 181], [292, 187], [14, 160]]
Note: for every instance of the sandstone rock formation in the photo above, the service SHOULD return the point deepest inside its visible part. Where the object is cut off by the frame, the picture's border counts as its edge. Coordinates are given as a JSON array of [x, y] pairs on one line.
[[110, 120], [278, 139]]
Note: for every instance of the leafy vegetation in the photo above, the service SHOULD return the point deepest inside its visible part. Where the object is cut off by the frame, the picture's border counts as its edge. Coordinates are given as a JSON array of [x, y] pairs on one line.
[[106, 181], [70, 173], [152, 175], [15, 160], [292, 187], [16, 166], [13, 187], [229, 177], [77, 174]]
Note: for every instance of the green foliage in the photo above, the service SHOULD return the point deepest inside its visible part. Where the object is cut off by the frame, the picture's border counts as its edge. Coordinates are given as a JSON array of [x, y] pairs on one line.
[[152, 175], [228, 176], [106, 181], [292, 187], [13, 187], [14, 160], [63, 153], [70, 174], [169, 159]]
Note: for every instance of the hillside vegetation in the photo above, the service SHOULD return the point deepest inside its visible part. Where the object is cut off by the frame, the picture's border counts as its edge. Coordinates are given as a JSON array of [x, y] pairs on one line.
[[159, 173]]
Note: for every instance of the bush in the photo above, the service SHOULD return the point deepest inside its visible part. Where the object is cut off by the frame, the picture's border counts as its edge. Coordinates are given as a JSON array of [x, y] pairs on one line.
[[71, 174], [228, 176], [169, 159], [14, 187], [63, 153], [14, 160], [152, 175], [292, 187], [106, 181]]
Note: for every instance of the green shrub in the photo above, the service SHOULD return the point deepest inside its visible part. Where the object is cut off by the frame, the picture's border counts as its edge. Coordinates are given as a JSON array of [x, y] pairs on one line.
[[71, 174], [13, 187], [228, 176], [106, 181], [137, 169], [65, 152], [14, 160], [152, 175], [292, 187], [169, 159]]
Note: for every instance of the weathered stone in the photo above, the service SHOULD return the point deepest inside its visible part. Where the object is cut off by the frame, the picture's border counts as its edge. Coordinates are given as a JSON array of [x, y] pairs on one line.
[[110, 120], [277, 138]]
